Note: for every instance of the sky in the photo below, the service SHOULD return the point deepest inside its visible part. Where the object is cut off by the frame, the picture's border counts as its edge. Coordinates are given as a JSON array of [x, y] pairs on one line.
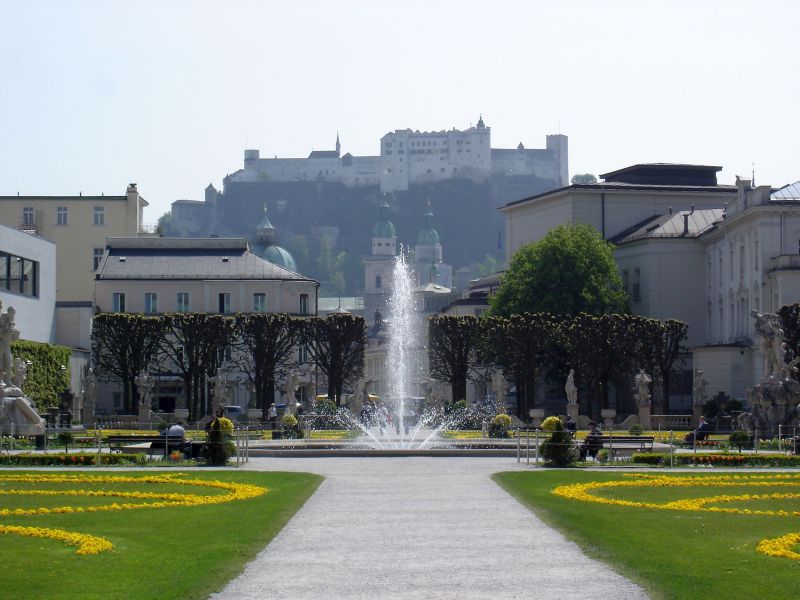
[[97, 94]]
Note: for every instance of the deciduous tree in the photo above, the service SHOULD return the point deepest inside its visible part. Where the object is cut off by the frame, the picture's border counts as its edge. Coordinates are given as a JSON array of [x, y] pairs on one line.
[[453, 350], [337, 345]]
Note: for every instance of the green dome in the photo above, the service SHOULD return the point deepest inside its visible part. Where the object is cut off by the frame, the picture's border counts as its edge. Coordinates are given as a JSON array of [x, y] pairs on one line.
[[428, 237], [384, 229], [276, 255]]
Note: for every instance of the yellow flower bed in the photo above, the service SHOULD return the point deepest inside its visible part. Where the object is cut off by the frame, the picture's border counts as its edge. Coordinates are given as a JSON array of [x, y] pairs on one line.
[[780, 547], [88, 544]]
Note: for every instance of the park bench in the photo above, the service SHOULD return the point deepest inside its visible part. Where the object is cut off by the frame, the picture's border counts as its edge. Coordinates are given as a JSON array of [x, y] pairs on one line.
[[173, 442], [619, 444]]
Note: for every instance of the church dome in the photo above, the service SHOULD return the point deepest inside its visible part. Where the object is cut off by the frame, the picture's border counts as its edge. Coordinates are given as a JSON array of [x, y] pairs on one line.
[[384, 228], [277, 255], [428, 236]]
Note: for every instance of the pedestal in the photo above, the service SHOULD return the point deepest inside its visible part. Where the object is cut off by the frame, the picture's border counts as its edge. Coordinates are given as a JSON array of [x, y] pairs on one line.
[[697, 412], [644, 416], [608, 415], [181, 414], [537, 414], [144, 415], [572, 411], [87, 416]]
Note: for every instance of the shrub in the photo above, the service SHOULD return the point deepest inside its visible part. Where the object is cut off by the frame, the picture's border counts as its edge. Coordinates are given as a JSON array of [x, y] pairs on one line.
[[176, 456], [739, 439], [648, 458], [603, 455], [219, 448], [549, 424], [291, 427], [67, 460], [558, 450], [498, 426], [636, 429], [722, 460], [64, 439], [325, 406]]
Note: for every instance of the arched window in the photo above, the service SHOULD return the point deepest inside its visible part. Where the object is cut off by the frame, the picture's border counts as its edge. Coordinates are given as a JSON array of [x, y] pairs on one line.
[[377, 281]]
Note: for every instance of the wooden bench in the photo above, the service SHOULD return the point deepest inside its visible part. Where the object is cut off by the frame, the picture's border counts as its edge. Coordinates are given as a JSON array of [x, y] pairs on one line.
[[172, 442], [618, 444]]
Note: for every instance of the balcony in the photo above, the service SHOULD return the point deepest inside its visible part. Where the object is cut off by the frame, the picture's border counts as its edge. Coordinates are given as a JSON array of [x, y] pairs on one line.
[[785, 262]]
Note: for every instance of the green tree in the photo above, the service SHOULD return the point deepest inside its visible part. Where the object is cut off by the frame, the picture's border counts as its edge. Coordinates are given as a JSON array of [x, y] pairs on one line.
[[195, 345], [453, 344], [266, 342], [488, 266], [569, 271], [337, 345], [583, 179], [330, 269], [124, 344]]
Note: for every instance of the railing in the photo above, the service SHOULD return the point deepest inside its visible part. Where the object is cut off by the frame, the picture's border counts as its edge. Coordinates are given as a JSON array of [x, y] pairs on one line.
[[668, 422]]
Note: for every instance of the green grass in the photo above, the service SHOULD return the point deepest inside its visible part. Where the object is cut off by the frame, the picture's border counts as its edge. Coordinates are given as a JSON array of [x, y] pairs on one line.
[[174, 552], [672, 554]]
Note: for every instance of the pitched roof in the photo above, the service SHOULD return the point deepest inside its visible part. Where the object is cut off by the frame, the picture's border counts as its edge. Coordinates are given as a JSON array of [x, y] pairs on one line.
[[187, 258], [323, 154], [790, 191], [681, 224]]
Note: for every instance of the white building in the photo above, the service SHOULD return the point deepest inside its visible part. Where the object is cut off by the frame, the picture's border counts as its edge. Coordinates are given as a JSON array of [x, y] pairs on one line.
[[28, 283], [409, 157]]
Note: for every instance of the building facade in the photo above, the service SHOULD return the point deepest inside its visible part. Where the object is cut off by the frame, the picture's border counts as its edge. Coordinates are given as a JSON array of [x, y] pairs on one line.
[[28, 283], [79, 226], [410, 157]]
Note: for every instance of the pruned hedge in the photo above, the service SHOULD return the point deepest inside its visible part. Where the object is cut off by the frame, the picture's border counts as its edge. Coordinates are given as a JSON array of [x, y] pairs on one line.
[[67, 460], [45, 379], [719, 460]]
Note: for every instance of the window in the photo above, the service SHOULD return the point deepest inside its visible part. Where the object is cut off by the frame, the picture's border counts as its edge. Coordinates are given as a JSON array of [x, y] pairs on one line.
[[755, 255], [61, 215], [259, 302], [637, 291], [19, 275], [377, 281], [302, 354], [150, 302], [225, 303], [97, 255], [741, 262], [118, 302], [27, 216], [99, 215], [182, 302], [625, 280], [303, 304]]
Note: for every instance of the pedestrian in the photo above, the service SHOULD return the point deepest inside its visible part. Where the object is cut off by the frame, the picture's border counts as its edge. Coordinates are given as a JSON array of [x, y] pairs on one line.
[[272, 416]]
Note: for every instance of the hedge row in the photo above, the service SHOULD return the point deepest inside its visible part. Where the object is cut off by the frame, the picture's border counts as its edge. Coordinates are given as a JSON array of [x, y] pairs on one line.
[[44, 380], [62, 460], [729, 460]]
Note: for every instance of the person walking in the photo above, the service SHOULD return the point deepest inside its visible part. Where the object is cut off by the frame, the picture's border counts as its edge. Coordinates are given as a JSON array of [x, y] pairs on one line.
[[272, 416]]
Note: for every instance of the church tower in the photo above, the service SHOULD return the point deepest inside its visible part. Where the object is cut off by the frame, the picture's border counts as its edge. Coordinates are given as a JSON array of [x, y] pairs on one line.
[[428, 256], [379, 264], [338, 146]]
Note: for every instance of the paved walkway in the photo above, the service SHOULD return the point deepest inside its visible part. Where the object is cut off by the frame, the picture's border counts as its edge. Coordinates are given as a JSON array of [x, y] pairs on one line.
[[418, 528]]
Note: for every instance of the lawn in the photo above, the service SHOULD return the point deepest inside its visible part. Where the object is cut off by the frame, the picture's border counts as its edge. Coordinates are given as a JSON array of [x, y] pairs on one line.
[[691, 551], [189, 548]]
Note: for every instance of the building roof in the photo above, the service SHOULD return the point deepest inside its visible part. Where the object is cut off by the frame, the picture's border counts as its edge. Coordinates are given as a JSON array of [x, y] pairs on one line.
[[187, 258], [790, 191], [323, 154], [432, 288], [384, 228], [665, 174], [346, 303], [625, 187], [681, 224], [428, 236]]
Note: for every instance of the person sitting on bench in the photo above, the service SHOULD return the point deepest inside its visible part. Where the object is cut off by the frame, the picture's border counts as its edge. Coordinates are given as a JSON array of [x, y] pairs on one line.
[[593, 442], [700, 434]]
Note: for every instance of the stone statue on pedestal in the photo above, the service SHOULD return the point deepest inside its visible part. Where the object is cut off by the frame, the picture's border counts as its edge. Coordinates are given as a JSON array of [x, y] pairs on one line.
[[570, 389], [500, 390], [8, 334], [642, 381], [145, 384]]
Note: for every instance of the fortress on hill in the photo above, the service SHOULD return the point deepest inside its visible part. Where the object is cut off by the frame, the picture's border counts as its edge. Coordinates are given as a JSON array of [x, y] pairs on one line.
[[412, 157]]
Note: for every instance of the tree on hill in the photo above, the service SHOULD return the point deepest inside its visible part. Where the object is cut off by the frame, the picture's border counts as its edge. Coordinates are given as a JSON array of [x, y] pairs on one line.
[[583, 179], [569, 271]]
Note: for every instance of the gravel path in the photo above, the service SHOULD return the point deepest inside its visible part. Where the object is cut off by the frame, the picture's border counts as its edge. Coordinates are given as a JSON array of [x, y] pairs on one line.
[[418, 528]]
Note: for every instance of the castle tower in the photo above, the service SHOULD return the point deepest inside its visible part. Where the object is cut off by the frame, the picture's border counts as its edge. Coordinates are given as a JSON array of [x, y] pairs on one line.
[[379, 264]]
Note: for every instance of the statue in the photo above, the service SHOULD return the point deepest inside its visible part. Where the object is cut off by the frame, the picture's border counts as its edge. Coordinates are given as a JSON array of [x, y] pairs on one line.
[[20, 372], [145, 384], [8, 334], [643, 381], [699, 388], [89, 395], [768, 326], [500, 389], [292, 380], [571, 389]]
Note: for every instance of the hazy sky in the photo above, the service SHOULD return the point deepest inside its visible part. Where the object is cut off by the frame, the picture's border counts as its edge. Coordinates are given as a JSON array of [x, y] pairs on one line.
[[96, 94]]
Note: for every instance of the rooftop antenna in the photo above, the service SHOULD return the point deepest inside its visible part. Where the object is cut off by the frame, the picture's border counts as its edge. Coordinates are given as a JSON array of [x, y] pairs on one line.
[[753, 178]]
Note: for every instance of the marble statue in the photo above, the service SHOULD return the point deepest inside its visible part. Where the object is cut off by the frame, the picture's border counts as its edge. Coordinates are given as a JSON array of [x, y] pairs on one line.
[[699, 388], [292, 381], [89, 389], [768, 327], [643, 381], [8, 334], [20, 372], [571, 389], [145, 384], [500, 389]]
